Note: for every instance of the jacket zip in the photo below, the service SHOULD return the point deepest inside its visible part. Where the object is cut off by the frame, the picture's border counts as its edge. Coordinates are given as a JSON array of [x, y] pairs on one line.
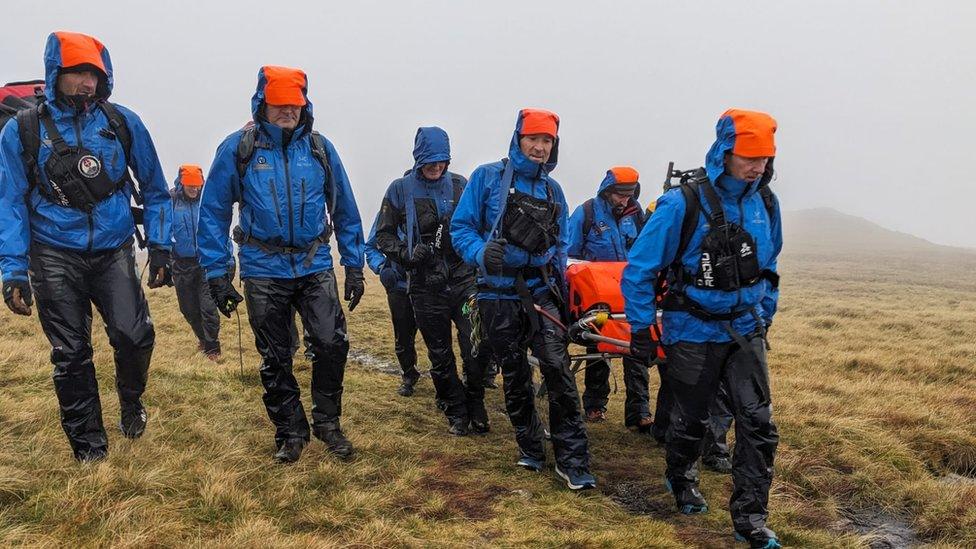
[[274, 197], [291, 224], [91, 215], [302, 207]]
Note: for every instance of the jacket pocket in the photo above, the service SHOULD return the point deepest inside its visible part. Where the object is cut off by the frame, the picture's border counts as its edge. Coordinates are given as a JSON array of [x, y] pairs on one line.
[[274, 197]]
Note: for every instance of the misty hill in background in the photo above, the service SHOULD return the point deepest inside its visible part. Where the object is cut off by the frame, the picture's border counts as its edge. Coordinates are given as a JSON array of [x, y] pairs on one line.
[[826, 229], [823, 243]]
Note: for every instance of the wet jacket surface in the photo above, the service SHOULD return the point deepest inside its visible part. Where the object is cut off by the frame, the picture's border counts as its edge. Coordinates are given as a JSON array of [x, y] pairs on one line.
[[610, 238], [414, 207], [481, 204], [26, 215], [391, 273], [658, 243], [282, 202]]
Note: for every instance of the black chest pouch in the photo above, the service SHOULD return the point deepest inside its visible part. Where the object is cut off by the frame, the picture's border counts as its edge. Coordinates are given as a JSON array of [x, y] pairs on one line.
[[531, 223], [728, 252], [77, 178], [728, 260]]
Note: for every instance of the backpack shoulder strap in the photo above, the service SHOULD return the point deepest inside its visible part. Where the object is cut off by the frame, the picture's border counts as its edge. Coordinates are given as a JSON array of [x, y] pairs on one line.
[[29, 130], [458, 183], [689, 222], [321, 153], [769, 200], [120, 127], [245, 150], [587, 217]]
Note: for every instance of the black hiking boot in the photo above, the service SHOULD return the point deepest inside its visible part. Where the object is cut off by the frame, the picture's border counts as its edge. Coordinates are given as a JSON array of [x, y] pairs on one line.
[[335, 440], [479, 419], [406, 386], [458, 426], [689, 500], [133, 422], [91, 455], [717, 464], [289, 451], [760, 538]]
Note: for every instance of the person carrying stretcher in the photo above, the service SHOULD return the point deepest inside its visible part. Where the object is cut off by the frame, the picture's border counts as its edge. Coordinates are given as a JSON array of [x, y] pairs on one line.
[[603, 229]]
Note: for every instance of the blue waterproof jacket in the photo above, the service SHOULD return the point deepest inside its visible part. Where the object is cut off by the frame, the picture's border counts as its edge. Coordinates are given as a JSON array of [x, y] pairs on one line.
[[658, 243], [378, 263], [282, 202], [185, 212], [414, 205], [483, 202], [609, 238], [25, 215]]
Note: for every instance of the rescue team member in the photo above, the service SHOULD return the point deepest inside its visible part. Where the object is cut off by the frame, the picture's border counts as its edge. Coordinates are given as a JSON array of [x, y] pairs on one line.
[[192, 291], [715, 454], [603, 229], [65, 204], [721, 295], [292, 192], [511, 223], [394, 280], [412, 229]]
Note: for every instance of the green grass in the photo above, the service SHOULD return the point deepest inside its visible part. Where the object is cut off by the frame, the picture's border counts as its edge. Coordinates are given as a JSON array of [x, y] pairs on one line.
[[874, 383]]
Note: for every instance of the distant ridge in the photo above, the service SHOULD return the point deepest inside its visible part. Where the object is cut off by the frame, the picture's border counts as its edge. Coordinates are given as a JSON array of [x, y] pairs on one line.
[[822, 229]]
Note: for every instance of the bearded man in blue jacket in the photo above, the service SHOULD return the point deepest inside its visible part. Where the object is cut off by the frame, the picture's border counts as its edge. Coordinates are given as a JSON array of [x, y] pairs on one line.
[[65, 203], [511, 224], [720, 271], [293, 196], [603, 229]]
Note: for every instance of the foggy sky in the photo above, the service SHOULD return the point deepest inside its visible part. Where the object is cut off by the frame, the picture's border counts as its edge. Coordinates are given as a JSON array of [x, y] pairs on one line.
[[874, 99]]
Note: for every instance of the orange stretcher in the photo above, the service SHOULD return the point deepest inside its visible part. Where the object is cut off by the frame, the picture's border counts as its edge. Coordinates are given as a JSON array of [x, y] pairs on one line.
[[596, 309]]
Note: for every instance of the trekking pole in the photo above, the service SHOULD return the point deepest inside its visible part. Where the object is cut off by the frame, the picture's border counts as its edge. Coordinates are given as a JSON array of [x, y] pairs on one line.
[[240, 347]]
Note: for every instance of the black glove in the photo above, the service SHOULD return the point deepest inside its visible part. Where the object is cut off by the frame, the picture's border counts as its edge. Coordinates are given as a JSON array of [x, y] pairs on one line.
[[26, 297], [355, 286], [422, 253], [224, 295], [159, 260], [388, 277], [494, 255], [642, 347]]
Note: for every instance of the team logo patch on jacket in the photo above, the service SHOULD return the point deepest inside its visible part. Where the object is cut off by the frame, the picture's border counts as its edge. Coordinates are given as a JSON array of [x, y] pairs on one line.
[[89, 166]]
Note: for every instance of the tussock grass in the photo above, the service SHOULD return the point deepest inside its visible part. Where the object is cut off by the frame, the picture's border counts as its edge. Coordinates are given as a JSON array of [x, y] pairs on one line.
[[874, 381]]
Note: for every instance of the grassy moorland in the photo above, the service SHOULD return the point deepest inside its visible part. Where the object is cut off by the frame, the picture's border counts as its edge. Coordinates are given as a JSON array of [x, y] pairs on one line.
[[874, 381]]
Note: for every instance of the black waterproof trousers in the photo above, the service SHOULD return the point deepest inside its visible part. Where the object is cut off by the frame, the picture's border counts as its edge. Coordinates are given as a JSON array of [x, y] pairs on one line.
[[435, 312], [404, 332], [193, 296], [716, 443], [597, 388], [269, 307], [507, 327], [695, 372], [66, 285]]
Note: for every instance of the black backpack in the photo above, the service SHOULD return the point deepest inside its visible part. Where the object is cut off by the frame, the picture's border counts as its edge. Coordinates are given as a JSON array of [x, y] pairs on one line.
[[29, 130], [689, 181], [249, 142], [588, 216]]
